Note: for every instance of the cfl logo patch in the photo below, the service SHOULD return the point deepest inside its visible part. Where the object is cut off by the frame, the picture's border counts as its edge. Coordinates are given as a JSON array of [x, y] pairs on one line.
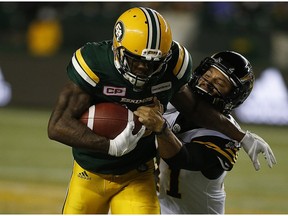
[[114, 91], [119, 31]]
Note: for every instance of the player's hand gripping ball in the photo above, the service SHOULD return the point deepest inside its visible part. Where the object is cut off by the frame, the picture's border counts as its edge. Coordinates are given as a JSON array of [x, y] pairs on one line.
[[109, 119]]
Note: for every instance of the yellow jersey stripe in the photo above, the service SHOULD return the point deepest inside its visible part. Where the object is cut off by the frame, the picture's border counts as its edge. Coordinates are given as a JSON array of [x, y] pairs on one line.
[[85, 67], [81, 72], [218, 149], [230, 151]]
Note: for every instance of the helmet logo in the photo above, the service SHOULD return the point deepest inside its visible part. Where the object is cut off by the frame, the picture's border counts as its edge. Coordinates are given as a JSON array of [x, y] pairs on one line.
[[218, 60], [119, 31], [228, 70]]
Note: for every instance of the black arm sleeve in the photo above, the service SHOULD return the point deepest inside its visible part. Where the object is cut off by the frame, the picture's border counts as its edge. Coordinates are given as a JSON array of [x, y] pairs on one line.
[[180, 160], [196, 157]]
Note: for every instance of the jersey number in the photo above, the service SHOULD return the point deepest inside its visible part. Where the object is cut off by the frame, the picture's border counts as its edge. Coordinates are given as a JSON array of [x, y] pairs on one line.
[[174, 183]]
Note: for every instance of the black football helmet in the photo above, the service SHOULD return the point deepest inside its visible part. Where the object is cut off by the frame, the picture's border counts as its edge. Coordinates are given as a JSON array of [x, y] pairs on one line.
[[237, 68]]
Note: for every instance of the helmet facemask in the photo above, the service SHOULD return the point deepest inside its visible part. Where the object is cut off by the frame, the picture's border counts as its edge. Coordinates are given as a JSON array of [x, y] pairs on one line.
[[152, 63], [213, 95]]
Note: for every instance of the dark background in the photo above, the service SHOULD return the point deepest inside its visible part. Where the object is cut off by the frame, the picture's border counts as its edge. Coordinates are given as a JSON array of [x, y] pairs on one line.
[[249, 28]]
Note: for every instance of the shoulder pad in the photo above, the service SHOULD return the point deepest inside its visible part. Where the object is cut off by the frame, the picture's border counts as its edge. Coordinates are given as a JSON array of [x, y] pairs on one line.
[[81, 66], [183, 61]]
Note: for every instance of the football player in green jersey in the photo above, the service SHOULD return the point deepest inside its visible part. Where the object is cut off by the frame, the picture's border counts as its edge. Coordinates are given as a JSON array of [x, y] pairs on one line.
[[140, 63], [195, 160]]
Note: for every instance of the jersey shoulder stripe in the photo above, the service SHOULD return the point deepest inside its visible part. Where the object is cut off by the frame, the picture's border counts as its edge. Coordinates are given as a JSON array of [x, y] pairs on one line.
[[81, 72], [183, 62], [83, 69], [223, 147]]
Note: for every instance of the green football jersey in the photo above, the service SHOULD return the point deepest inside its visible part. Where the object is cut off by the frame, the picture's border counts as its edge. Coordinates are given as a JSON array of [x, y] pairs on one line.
[[92, 68]]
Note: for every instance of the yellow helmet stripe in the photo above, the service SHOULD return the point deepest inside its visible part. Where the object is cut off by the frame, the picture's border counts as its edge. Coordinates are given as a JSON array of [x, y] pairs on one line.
[[154, 30], [182, 63], [85, 67]]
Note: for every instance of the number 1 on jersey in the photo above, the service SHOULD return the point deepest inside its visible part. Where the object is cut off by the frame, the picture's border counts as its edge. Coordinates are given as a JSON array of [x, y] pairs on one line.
[[174, 183]]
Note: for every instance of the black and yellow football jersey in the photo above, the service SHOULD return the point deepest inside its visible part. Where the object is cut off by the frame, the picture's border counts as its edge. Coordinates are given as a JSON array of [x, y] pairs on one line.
[[192, 182], [209, 151], [92, 69]]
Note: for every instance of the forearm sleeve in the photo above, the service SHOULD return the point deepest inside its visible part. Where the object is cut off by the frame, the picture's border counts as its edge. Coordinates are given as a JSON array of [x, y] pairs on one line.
[[180, 160]]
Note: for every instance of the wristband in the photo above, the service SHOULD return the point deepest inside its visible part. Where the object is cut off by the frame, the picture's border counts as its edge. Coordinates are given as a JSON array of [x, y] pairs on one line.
[[163, 128]]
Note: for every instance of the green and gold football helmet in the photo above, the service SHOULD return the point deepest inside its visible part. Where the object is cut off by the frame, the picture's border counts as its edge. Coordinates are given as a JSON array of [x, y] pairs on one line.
[[141, 36]]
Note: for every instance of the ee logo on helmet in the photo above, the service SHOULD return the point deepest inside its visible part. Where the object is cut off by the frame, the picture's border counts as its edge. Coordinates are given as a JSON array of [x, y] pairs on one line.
[[119, 31]]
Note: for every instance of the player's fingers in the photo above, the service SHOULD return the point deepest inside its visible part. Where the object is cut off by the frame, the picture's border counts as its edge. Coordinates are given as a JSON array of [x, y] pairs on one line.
[[256, 165], [141, 131], [143, 109], [272, 156], [130, 125], [130, 116], [158, 105], [268, 158]]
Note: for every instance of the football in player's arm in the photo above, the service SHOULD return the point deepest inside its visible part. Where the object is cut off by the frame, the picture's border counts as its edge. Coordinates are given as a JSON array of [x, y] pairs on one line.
[[195, 161]]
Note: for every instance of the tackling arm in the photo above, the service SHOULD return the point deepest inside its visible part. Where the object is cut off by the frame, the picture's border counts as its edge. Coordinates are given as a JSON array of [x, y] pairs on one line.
[[202, 113], [168, 144]]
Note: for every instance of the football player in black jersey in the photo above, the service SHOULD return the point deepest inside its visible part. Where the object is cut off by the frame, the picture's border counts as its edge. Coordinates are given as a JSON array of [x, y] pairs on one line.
[[140, 63], [196, 160]]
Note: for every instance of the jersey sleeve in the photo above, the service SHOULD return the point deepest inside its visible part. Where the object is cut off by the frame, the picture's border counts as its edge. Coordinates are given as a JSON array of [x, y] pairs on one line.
[[180, 160], [81, 68], [225, 151]]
